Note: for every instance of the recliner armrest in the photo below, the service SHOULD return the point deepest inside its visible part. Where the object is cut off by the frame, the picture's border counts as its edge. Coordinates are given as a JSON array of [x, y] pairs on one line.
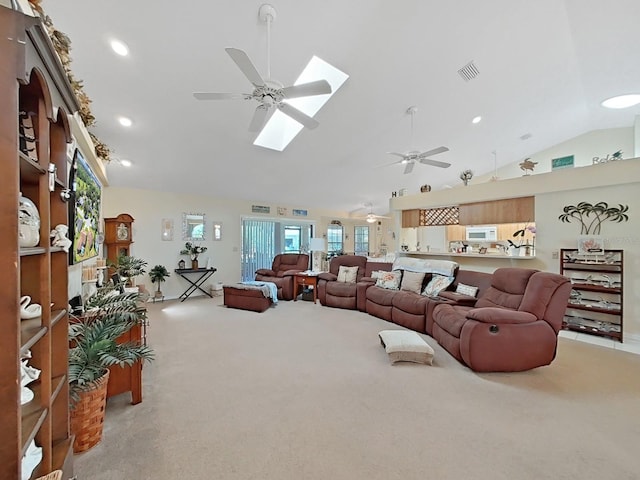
[[500, 315], [367, 280], [459, 298], [290, 273], [266, 272], [329, 277]]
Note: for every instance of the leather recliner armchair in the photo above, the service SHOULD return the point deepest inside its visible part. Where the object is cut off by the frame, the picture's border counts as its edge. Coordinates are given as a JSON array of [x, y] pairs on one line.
[[512, 327], [333, 293], [284, 266]]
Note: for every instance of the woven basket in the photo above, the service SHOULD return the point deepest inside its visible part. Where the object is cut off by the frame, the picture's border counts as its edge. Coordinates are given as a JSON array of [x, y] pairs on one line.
[[57, 475], [87, 417]]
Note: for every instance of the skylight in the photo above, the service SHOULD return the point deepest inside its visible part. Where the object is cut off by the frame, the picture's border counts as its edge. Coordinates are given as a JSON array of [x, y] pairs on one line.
[[281, 129]]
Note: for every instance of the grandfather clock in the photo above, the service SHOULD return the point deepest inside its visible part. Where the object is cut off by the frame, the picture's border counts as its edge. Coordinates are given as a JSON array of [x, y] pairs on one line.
[[118, 239], [117, 236]]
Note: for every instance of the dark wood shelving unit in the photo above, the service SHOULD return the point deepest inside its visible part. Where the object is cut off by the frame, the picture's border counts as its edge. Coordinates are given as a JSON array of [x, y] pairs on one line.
[[597, 301], [32, 80]]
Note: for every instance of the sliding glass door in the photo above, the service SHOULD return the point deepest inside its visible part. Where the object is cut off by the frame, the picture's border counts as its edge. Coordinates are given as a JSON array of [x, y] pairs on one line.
[[263, 239]]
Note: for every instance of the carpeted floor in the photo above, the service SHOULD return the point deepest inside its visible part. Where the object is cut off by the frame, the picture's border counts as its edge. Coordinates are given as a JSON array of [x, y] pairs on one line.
[[303, 391]]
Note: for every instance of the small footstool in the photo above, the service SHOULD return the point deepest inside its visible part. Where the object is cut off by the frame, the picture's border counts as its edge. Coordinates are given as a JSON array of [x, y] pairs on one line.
[[405, 346], [245, 297]]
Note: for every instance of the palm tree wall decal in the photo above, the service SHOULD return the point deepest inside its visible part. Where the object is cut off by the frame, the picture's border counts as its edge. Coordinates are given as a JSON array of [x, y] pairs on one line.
[[591, 216]]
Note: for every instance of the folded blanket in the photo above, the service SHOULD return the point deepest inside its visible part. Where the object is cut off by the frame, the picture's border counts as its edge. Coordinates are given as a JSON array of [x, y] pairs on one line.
[[427, 265], [269, 289]]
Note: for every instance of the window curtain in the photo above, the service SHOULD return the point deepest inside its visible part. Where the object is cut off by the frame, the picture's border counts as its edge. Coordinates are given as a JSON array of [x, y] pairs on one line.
[[258, 246]]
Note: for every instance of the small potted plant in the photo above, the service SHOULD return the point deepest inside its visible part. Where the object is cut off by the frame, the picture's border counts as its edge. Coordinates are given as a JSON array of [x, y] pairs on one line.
[[93, 349], [129, 267], [193, 250], [158, 274]]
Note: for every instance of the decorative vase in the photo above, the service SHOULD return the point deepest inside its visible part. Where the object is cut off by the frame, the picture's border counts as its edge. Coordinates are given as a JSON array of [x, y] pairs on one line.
[[194, 263]]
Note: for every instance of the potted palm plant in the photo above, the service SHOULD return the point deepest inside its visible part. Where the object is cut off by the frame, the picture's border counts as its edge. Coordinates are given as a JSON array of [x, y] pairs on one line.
[[129, 267], [158, 274], [94, 347]]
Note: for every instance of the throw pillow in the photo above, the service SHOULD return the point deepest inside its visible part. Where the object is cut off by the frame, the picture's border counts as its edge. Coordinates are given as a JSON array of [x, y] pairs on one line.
[[377, 273], [412, 281], [347, 274], [437, 283], [389, 280], [467, 290]]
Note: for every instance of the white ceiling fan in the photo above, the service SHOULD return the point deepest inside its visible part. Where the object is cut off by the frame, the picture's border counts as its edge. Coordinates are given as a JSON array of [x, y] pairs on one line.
[[370, 217], [269, 93], [409, 159]]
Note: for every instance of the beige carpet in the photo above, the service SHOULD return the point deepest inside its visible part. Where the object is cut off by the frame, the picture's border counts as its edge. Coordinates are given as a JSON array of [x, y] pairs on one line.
[[303, 391]]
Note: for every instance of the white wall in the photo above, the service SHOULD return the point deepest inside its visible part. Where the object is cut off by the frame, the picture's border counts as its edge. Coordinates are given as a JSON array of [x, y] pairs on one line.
[[597, 143], [148, 208]]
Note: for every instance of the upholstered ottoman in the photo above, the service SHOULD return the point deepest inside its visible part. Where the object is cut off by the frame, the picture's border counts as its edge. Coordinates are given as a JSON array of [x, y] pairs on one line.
[[406, 346], [246, 297]]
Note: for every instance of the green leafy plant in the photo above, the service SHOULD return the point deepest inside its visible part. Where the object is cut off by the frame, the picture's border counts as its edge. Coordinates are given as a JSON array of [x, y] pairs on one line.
[[158, 274], [193, 250], [591, 216], [129, 267], [93, 338]]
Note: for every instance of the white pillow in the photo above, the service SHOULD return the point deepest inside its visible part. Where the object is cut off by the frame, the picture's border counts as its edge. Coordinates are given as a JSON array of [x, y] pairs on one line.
[[467, 290], [347, 274], [389, 280], [412, 281], [377, 273], [437, 284]]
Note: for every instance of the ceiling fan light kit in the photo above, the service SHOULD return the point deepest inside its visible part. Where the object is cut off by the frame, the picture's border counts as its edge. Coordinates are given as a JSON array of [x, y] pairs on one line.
[[270, 94]]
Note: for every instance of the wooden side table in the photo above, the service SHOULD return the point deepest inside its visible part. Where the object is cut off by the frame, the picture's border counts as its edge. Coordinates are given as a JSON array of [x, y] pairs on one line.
[[305, 280]]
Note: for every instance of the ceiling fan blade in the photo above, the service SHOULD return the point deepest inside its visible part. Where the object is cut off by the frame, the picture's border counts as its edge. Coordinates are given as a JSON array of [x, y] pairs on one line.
[[389, 164], [298, 116], [220, 96], [435, 151], [409, 167], [319, 87], [435, 163], [397, 154], [259, 117], [244, 63]]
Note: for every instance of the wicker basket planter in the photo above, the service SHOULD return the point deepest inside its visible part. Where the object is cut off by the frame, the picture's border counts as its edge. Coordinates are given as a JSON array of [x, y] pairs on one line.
[[87, 417]]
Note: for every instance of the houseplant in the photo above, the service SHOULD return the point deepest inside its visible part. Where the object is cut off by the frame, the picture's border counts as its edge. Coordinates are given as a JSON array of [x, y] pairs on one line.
[[158, 274], [129, 267], [193, 250], [93, 349]]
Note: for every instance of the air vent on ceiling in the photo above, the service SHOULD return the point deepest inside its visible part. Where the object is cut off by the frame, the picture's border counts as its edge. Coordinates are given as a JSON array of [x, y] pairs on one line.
[[469, 71]]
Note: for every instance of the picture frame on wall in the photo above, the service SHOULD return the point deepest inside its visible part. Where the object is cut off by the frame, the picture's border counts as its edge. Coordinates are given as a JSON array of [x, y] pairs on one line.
[[84, 210]]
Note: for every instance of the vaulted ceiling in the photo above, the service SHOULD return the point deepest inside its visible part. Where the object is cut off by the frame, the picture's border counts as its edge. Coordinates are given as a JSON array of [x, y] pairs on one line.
[[544, 67]]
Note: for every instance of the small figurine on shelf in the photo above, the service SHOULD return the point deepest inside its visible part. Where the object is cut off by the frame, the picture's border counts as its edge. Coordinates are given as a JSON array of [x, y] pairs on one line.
[[27, 375], [59, 237]]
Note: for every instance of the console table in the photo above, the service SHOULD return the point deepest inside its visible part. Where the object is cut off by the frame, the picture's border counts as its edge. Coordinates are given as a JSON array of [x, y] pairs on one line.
[[204, 273]]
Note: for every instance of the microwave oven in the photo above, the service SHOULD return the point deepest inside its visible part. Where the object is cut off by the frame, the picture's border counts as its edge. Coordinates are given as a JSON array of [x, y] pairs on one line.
[[482, 234]]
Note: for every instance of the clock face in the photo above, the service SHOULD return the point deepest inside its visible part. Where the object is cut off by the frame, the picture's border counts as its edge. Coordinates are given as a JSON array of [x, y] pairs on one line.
[[122, 232]]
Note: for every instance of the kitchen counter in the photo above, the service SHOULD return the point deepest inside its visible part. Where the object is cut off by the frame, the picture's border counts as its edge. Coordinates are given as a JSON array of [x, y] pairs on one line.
[[468, 255]]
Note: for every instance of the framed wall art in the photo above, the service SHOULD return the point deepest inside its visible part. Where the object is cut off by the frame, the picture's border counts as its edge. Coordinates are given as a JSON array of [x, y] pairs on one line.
[[84, 210]]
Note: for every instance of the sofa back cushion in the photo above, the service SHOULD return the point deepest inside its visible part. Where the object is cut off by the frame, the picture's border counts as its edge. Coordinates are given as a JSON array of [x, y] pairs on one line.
[[507, 288], [482, 280], [349, 261], [290, 261], [376, 266], [546, 297]]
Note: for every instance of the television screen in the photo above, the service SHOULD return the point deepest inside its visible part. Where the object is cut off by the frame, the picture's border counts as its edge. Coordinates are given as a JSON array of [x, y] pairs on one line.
[[84, 215]]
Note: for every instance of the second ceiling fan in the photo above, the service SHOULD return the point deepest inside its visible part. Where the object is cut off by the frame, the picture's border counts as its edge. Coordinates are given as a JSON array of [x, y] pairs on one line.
[[410, 158], [270, 94]]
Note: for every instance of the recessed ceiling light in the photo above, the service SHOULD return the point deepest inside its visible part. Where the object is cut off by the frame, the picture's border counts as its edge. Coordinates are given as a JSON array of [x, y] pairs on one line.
[[119, 47], [125, 163], [622, 101], [476, 119], [125, 122]]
